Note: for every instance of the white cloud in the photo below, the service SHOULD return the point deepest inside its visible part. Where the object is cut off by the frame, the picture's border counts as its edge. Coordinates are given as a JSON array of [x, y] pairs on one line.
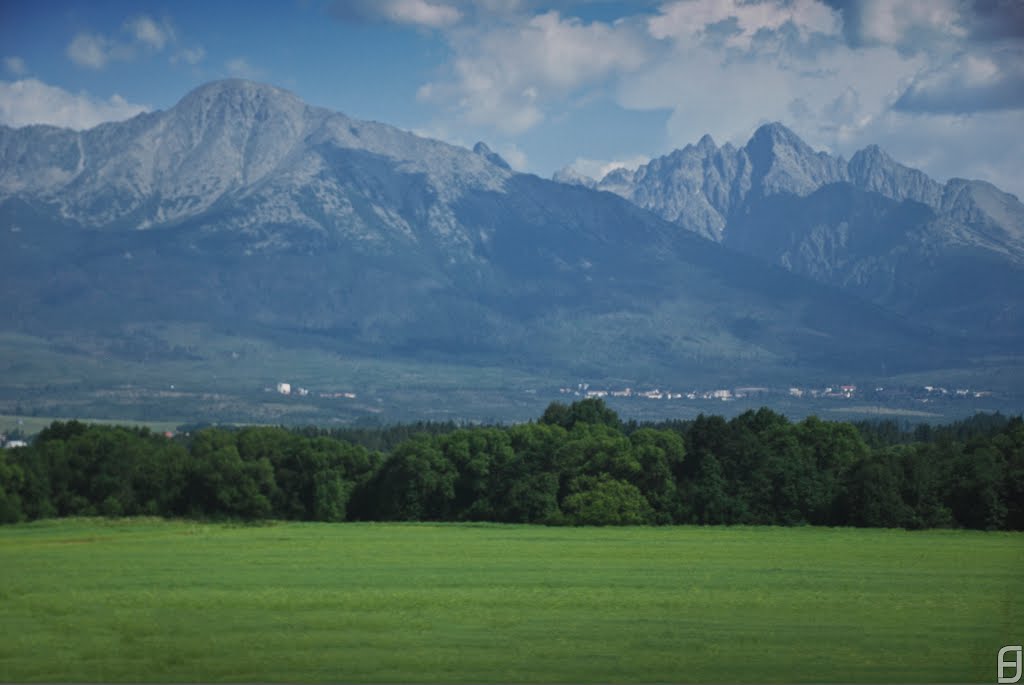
[[599, 168], [841, 74], [693, 19], [510, 152], [844, 109], [907, 24], [147, 31], [425, 13], [728, 99], [955, 118], [192, 56], [977, 146], [507, 76], [95, 51], [439, 130], [30, 101], [15, 66], [239, 67], [972, 82], [815, 83], [90, 50], [421, 12], [514, 155]]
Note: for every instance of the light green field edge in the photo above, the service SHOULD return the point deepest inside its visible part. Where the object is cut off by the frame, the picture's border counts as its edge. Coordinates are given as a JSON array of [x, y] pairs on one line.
[[148, 600], [30, 425]]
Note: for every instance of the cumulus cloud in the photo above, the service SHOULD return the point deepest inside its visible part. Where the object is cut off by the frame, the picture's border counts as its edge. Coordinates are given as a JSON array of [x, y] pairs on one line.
[[91, 50], [844, 108], [740, 21], [994, 20], [191, 56], [841, 73], [507, 76], [708, 93], [421, 12], [910, 25], [30, 101], [145, 34], [413, 12], [599, 168], [970, 83], [149, 32], [980, 146], [514, 155], [15, 66], [509, 151], [885, 69]]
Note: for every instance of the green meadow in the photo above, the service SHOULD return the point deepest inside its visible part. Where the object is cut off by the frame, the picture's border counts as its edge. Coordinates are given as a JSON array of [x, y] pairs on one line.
[[177, 601]]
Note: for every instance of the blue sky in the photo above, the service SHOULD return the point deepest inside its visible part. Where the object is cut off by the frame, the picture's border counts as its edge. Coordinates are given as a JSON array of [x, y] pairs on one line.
[[592, 84]]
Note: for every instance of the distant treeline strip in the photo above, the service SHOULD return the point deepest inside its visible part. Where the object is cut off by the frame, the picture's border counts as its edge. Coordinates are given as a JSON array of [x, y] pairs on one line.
[[578, 465]]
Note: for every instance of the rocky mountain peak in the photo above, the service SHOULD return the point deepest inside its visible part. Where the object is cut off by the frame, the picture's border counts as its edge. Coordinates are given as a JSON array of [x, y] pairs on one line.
[[706, 143], [236, 143], [239, 103], [620, 181], [493, 157], [874, 170], [995, 218], [619, 175], [783, 163], [572, 177], [236, 90], [776, 134]]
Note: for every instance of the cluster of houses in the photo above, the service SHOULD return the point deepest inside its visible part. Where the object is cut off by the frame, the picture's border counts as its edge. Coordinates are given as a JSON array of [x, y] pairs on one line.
[[837, 392], [936, 391], [834, 392], [10, 444], [725, 395], [284, 388]]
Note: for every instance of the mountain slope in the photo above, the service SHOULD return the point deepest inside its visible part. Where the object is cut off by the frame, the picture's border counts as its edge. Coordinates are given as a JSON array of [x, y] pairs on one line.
[[949, 256], [244, 210]]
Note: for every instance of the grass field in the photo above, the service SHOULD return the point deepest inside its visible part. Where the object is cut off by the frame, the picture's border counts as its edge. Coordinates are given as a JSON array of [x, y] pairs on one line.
[[148, 600], [30, 425]]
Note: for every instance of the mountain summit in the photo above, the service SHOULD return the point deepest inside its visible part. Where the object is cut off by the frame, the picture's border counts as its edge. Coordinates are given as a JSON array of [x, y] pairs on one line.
[[948, 256], [256, 153]]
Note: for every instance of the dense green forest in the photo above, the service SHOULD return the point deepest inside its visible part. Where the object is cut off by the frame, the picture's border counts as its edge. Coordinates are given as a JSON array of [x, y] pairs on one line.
[[579, 464]]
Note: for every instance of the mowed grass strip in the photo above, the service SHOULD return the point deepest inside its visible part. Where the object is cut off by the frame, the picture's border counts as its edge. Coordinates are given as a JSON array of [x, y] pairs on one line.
[[150, 600]]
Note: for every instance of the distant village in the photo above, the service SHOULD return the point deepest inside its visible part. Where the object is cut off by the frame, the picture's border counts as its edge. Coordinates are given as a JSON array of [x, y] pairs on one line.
[[848, 394], [840, 391], [286, 389], [923, 394]]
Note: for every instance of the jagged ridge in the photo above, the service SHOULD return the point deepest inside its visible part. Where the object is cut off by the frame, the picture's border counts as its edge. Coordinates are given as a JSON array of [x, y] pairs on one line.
[[771, 199]]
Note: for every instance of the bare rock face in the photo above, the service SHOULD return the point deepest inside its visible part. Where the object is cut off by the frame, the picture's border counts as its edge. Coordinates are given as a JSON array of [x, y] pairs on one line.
[[872, 169], [701, 186], [253, 155], [894, 236], [783, 163]]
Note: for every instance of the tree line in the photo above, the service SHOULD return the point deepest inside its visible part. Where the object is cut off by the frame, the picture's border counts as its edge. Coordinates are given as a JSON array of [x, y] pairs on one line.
[[579, 464]]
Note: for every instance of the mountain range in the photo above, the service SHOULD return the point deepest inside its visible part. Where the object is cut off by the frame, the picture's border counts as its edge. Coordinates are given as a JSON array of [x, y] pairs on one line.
[[246, 211], [947, 256]]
